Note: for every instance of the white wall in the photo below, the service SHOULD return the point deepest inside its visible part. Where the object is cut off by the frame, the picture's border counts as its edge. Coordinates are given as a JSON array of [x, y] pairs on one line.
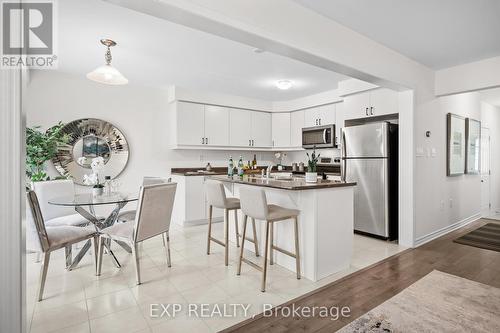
[[490, 118], [137, 111]]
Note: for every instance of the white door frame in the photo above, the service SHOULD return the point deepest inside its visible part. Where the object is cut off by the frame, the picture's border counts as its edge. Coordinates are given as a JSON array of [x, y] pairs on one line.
[[12, 226], [488, 172]]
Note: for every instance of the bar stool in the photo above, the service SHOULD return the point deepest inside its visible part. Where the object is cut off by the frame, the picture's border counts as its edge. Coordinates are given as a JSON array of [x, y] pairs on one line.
[[254, 205], [216, 197]]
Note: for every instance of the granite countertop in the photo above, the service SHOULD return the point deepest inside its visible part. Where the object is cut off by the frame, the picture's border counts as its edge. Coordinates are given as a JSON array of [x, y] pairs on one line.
[[294, 183]]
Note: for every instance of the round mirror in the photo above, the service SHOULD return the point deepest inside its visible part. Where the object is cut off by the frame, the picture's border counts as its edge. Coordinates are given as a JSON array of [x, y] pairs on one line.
[[89, 139]]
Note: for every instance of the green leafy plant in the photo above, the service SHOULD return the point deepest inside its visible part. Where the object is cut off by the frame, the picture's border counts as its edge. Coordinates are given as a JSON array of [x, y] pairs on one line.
[[312, 161], [41, 147]]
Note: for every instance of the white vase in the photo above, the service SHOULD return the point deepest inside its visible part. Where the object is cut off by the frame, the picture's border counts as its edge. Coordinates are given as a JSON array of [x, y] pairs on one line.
[[311, 177], [97, 191]]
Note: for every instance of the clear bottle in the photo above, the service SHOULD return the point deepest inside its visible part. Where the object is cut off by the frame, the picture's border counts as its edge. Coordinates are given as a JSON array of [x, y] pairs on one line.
[[107, 185], [240, 166], [230, 167]]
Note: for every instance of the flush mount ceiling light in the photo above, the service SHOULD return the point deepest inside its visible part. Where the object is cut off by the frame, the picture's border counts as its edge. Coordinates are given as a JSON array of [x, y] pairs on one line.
[[107, 74], [284, 84]]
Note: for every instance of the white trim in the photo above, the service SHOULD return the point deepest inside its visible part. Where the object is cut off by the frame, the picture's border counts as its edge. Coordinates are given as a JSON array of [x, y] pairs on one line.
[[12, 231], [443, 231]]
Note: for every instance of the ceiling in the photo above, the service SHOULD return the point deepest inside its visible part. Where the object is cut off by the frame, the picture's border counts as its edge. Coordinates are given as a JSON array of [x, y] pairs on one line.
[[491, 96], [155, 52], [436, 33]]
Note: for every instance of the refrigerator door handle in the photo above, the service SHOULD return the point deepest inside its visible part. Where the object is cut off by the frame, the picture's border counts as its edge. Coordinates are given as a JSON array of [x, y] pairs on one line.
[[343, 166]]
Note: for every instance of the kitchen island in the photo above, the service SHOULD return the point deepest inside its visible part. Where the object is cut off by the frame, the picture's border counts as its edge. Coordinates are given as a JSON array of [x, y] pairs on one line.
[[325, 221]]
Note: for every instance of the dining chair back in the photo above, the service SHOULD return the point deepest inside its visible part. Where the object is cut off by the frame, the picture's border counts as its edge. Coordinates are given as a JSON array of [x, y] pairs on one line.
[[46, 240], [36, 234], [154, 210], [51, 189]]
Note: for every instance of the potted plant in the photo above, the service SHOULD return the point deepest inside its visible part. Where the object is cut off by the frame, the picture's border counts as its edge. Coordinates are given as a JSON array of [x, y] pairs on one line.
[[42, 147], [311, 174], [93, 179]]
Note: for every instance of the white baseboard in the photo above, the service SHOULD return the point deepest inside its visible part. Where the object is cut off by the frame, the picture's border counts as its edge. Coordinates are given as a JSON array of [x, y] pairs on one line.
[[440, 232]]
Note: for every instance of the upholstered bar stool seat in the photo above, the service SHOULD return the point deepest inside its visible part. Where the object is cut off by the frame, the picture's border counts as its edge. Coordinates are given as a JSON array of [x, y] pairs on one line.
[[216, 197], [254, 204]]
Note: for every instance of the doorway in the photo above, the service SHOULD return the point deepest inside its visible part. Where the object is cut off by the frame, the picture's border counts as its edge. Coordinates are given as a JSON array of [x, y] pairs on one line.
[[485, 172]]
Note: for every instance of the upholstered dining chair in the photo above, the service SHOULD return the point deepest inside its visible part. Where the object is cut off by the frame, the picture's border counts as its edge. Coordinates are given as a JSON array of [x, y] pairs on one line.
[[46, 240], [129, 215], [154, 211], [56, 216]]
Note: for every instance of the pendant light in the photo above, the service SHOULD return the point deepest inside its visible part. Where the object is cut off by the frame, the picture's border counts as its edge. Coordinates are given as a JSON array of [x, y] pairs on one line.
[[107, 74]]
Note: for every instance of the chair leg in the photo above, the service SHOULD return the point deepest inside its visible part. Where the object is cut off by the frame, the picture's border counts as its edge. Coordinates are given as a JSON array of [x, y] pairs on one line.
[[166, 240], [297, 256], [43, 275], [226, 237], [100, 251], [245, 218], [255, 239], [271, 239], [210, 209], [236, 228], [68, 250], [135, 253], [95, 241], [266, 253]]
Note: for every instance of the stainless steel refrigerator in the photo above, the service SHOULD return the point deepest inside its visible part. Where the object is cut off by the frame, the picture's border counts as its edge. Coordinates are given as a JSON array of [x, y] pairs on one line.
[[370, 158]]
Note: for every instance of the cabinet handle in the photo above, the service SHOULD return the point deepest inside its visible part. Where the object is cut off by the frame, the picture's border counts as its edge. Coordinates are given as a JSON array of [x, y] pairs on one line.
[[206, 141], [366, 112], [371, 110], [202, 141], [319, 120], [253, 143], [249, 142]]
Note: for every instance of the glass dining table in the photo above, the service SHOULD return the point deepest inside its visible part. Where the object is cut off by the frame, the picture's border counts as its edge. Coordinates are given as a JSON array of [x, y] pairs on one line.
[[85, 205]]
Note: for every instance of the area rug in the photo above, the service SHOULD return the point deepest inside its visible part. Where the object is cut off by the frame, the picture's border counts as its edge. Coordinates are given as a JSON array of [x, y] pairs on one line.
[[438, 302], [485, 237]]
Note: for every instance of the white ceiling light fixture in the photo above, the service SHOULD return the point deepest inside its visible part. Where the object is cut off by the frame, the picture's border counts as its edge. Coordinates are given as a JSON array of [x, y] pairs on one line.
[[284, 84], [107, 74]]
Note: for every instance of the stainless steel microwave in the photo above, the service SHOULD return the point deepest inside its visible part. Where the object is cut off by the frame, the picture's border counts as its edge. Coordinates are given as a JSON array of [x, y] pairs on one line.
[[319, 137]]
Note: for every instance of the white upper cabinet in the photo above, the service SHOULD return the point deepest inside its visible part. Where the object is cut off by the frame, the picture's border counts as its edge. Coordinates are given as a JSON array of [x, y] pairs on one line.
[[240, 130], [326, 114], [339, 122], [357, 106], [216, 125], [261, 129], [320, 115], [383, 101], [281, 129], [296, 125], [376, 102], [190, 123]]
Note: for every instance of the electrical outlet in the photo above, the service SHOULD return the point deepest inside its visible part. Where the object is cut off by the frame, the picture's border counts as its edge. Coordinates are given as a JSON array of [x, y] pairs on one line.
[[451, 203]]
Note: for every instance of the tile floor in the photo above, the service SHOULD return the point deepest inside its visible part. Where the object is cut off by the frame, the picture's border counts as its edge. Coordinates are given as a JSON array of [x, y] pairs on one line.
[[78, 301]]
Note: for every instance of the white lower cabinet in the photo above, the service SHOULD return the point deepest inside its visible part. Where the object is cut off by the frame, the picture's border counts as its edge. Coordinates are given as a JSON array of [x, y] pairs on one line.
[[190, 206]]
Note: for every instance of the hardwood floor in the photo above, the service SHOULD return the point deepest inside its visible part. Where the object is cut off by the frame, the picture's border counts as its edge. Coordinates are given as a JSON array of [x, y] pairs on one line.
[[367, 288]]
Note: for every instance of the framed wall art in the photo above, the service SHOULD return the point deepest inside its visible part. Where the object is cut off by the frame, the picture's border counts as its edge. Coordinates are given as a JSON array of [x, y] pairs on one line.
[[455, 152], [473, 146]]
